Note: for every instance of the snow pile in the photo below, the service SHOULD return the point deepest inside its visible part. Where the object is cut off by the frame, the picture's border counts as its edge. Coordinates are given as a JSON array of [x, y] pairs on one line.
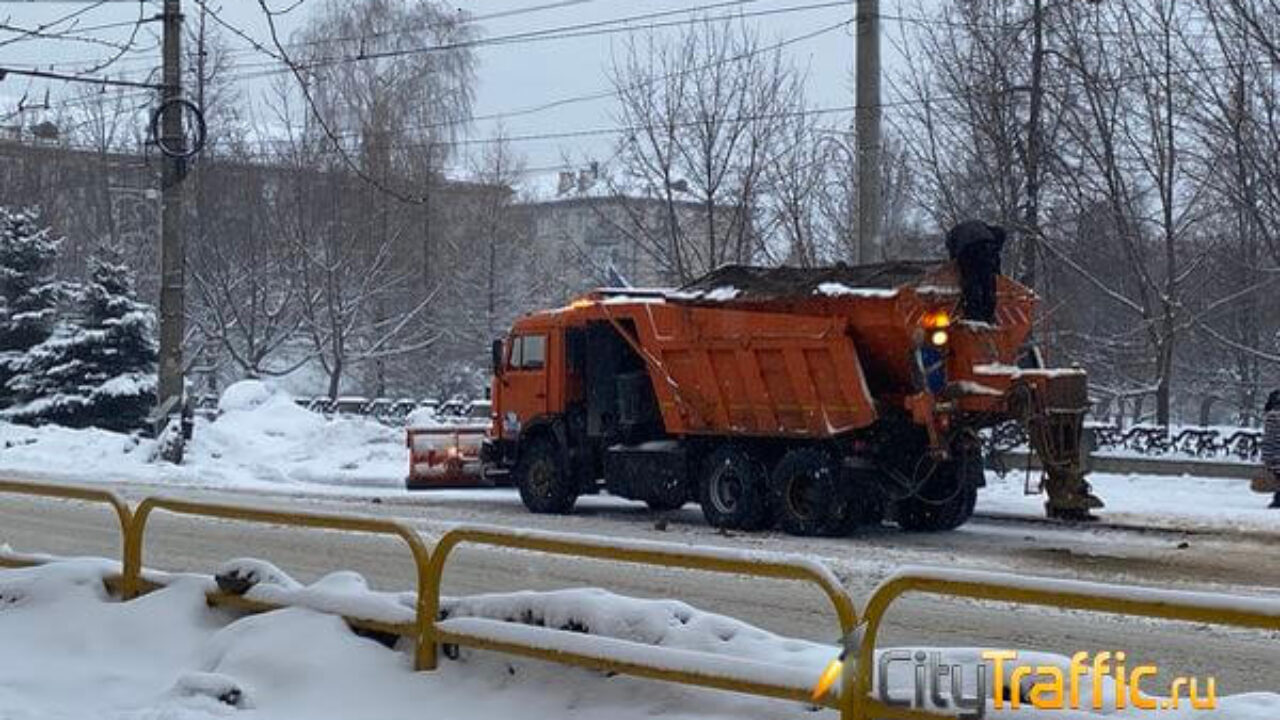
[[74, 654], [661, 623], [343, 592], [261, 438], [263, 433]]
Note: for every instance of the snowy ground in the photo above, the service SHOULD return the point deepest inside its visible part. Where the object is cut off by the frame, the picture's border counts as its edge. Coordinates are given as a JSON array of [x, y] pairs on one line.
[[70, 651], [262, 441]]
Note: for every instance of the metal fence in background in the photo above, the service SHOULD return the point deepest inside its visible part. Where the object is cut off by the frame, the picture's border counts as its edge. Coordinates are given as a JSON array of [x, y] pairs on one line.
[[1242, 444]]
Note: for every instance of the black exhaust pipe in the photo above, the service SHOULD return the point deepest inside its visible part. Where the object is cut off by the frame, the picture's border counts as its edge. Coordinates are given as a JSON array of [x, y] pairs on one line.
[[975, 246]]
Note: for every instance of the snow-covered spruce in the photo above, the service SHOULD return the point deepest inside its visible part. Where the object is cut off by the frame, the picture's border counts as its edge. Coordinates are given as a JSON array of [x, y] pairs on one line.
[[29, 293], [97, 369]]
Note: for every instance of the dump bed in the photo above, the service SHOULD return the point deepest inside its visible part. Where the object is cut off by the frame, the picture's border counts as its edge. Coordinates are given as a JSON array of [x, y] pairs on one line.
[[719, 370]]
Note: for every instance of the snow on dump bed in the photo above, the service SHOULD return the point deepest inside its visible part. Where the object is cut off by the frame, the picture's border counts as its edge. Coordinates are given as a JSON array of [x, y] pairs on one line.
[[260, 437], [70, 652], [835, 289]]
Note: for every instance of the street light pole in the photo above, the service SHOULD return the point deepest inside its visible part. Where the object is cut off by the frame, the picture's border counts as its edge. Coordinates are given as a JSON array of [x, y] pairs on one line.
[[867, 127]]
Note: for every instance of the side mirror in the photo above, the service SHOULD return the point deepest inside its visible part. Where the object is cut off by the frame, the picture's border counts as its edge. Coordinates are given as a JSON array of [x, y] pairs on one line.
[[496, 357]]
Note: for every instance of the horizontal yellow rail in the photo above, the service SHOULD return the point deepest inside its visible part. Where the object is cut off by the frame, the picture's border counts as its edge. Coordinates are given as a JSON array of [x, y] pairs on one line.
[[350, 523], [1214, 609], [124, 517], [667, 556]]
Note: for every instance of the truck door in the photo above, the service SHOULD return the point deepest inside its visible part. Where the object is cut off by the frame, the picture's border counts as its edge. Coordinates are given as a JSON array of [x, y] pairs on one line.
[[524, 382]]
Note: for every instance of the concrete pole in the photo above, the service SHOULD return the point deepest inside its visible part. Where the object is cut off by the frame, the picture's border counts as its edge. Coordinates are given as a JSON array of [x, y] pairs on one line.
[[867, 128], [171, 248]]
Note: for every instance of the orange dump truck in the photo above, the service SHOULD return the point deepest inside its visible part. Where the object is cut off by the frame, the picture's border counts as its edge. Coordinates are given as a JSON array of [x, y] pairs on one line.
[[813, 400]]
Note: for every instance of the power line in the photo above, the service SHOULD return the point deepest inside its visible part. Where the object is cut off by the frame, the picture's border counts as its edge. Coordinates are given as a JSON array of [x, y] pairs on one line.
[[614, 92], [86, 79], [575, 99], [591, 29]]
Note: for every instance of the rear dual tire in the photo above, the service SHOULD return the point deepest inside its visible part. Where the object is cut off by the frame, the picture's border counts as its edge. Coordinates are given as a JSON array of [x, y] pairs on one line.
[[734, 490], [812, 497]]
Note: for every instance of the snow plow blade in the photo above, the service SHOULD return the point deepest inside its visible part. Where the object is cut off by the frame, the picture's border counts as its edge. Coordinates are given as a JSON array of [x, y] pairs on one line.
[[445, 457]]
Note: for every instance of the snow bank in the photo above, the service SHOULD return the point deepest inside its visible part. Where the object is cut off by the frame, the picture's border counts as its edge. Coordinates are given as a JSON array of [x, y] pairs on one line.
[[75, 655], [70, 652], [261, 438], [263, 435], [661, 623], [1164, 501]]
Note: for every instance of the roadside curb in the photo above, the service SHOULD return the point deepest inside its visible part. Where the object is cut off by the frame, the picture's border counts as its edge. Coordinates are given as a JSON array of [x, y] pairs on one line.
[[1232, 533]]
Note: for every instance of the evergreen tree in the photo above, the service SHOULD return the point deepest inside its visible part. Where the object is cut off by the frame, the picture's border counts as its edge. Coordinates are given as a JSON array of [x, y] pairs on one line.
[[97, 369], [29, 295]]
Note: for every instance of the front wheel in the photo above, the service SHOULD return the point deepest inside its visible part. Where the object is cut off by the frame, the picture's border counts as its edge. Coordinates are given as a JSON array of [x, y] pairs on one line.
[[545, 486], [733, 490]]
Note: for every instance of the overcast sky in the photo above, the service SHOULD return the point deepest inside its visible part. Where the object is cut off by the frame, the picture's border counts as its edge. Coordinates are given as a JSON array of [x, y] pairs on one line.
[[510, 77]]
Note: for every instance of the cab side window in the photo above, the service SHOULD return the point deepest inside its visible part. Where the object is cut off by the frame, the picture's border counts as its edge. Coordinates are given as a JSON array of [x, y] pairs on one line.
[[528, 352], [534, 356]]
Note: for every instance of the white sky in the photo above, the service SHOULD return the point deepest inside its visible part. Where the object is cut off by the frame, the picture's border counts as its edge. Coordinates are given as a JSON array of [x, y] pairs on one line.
[[510, 77]]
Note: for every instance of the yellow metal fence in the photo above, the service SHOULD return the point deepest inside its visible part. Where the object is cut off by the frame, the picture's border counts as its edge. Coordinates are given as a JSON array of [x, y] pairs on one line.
[[778, 568], [93, 495], [135, 536], [1215, 609], [856, 703]]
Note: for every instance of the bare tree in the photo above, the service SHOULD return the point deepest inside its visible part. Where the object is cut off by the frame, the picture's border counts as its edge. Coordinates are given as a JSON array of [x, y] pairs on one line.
[[704, 115]]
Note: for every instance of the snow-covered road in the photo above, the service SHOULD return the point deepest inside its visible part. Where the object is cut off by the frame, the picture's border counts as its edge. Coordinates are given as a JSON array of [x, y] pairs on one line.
[[1234, 561]]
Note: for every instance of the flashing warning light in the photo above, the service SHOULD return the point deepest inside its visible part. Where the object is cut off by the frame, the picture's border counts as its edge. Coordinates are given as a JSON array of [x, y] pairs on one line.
[[939, 320], [939, 338], [581, 303]]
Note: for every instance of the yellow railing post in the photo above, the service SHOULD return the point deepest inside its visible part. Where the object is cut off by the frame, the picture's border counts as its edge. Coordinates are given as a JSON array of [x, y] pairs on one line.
[[124, 516], [424, 651]]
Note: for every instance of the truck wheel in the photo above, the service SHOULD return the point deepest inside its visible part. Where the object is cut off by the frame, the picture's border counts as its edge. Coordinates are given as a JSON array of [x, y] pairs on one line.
[[545, 487], [808, 495], [733, 490], [944, 503]]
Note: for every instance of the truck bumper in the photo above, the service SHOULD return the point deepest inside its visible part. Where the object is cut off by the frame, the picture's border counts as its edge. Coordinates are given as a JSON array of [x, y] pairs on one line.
[[497, 453]]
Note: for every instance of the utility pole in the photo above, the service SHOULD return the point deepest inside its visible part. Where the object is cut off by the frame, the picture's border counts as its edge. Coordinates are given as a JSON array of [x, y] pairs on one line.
[[1035, 129], [867, 127], [172, 256]]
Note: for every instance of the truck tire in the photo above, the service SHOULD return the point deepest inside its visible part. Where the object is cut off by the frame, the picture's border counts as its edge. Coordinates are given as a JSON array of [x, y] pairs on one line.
[[944, 503], [809, 496], [545, 485], [734, 490]]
